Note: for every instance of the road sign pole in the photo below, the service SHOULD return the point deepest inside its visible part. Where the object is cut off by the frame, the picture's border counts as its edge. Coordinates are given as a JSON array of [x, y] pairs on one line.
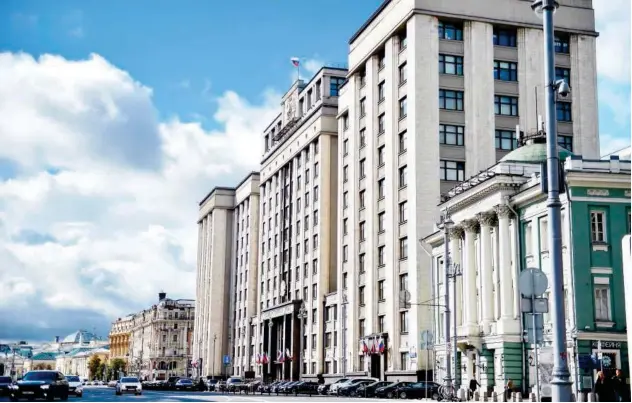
[[535, 343]]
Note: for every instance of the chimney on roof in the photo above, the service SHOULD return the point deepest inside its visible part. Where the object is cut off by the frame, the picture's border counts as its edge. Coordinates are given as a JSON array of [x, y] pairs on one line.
[[161, 296], [56, 339]]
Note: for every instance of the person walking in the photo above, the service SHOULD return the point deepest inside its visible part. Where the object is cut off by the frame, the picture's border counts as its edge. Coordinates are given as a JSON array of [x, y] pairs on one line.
[[603, 389], [620, 387], [473, 385], [508, 390]]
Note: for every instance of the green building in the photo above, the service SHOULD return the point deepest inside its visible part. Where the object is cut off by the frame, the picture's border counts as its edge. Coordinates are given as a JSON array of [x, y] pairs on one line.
[[500, 228]]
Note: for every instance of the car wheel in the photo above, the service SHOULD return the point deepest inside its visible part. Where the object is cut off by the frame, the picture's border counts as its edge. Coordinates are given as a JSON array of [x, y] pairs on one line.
[[389, 395], [435, 396], [64, 397], [80, 395], [13, 399], [402, 395], [118, 393]]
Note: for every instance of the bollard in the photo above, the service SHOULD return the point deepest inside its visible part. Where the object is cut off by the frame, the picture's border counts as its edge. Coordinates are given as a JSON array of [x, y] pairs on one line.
[[591, 397], [532, 397], [519, 397], [573, 397], [461, 395], [494, 397], [476, 396], [485, 397], [581, 397]]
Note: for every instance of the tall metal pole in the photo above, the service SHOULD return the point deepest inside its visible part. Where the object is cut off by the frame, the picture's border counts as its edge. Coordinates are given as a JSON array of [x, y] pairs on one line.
[[561, 383], [446, 287], [454, 348], [214, 338], [344, 335]]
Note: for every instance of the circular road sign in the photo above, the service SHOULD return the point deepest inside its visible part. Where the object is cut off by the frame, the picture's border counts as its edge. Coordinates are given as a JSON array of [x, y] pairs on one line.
[[532, 282]]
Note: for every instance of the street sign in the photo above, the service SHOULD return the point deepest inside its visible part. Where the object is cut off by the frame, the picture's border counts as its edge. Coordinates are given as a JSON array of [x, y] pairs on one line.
[[585, 361], [532, 282], [534, 305], [427, 340], [539, 330], [227, 359]]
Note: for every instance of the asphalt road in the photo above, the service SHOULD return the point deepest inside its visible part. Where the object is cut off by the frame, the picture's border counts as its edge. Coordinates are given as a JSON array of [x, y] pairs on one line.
[[105, 394]]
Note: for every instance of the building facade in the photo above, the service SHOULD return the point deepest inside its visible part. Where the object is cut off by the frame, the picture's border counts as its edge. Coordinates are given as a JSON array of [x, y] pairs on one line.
[[161, 339], [500, 229], [120, 337], [435, 91]]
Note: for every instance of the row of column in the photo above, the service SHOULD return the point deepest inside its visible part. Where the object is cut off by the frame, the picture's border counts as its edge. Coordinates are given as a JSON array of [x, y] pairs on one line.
[[477, 264]]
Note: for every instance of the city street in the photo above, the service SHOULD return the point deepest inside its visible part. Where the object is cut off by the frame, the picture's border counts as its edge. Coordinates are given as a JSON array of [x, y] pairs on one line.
[[105, 394]]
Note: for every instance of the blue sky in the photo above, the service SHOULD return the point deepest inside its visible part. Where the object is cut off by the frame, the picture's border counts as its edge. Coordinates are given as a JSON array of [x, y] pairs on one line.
[[119, 116]]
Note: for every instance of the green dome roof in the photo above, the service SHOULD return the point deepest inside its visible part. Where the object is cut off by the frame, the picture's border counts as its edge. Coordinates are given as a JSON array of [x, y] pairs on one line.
[[535, 152]]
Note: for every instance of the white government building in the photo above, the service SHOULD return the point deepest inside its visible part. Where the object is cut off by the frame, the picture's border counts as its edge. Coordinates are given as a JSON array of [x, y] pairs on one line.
[[433, 94]]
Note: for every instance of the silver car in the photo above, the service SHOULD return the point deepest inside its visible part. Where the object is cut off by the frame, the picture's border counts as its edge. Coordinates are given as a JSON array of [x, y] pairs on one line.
[[129, 385]]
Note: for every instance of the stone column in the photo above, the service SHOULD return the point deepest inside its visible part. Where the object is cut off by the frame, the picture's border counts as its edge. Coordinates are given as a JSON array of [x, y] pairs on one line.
[[486, 220], [456, 234], [506, 324], [469, 277]]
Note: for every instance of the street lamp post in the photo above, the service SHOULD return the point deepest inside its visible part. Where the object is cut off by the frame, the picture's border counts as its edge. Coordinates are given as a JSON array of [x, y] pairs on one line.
[[214, 340], [446, 225], [561, 376], [302, 315], [456, 272], [344, 335]]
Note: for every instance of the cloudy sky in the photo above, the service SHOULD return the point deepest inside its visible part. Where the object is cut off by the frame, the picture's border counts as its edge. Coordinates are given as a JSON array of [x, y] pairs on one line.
[[115, 120]]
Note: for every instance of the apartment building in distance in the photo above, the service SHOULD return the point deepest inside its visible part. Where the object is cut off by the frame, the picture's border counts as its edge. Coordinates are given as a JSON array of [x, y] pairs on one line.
[[119, 337], [227, 279], [435, 92]]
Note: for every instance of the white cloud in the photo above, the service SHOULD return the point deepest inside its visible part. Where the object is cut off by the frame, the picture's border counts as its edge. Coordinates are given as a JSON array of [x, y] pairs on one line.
[[118, 218], [613, 45], [610, 143]]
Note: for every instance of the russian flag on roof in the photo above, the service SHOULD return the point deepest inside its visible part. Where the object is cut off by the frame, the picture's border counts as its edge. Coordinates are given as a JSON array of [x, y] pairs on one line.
[[295, 61]]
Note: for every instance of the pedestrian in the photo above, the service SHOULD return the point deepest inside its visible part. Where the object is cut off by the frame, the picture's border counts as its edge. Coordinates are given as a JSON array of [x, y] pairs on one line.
[[620, 387], [473, 385], [508, 389], [603, 389]]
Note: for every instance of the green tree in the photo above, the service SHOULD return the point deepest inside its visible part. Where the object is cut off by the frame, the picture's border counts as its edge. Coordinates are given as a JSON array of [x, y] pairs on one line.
[[117, 365], [93, 366], [101, 371]]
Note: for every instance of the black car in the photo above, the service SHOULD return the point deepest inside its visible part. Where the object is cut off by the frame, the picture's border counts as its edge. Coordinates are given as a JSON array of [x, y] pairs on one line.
[[390, 391], [40, 385], [5, 382], [185, 384], [369, 390], [352, 388], [171, 382], [419, 390]]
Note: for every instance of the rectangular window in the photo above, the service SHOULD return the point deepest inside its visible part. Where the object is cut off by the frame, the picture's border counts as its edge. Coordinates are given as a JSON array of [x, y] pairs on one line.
[[562, 73], [362, 168], [381, 60], [380, 189], [562, 43], [381, 258], [451, 135], [361, 295], [345, 147], [381, 295], [361, 260], [403, 322], [451, 170], [403, 108], [381, 155], [403, 177], [506, 140], [505, 71], [403, 137], [334, 85], [403, 282], [362, 137], [362, 231], [449, 64], [403, 248], [344, 281], [362, 76], [345, 200], [505, 105], [362, 198], [361, 327], [345, 173], [345, 226], [451, 31], [381, 125], [598, 227], [403, 212], [602, 302], [381, 323], [451, 100], [381, 222], [403, 73], [505, 37], [564, 112], [403, 40], [362, 107], [565, 142], [380, 92], [345, 126]]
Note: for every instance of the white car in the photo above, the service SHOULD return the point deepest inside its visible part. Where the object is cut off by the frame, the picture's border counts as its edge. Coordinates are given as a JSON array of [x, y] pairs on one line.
[[129, 385], [75, 386]]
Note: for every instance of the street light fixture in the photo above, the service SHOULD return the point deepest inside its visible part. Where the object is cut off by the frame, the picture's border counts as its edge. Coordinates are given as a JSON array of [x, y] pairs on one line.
[[561, 384], [302, 316]]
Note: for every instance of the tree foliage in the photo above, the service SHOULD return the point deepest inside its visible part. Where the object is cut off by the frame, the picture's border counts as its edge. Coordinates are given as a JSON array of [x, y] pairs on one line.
[[117, 365], [93, 366]]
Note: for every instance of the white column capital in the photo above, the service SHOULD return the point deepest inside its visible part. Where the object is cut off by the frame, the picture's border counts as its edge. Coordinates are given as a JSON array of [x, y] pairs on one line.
[[487, 219]]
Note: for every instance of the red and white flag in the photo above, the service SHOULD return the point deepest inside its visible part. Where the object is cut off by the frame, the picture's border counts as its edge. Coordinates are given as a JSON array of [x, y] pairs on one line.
[[295, 61]]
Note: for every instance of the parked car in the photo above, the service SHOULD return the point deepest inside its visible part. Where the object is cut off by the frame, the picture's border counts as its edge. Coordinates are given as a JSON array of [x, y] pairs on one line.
[[5, 382], [305, 387], [333, 388], [234, 384], [390, 391], [419, 390], [323, 388], [112, 384], [184, 384], [369, 390], [40, 385], [171, 382], [351, 388], [74, 385], [129, 385]]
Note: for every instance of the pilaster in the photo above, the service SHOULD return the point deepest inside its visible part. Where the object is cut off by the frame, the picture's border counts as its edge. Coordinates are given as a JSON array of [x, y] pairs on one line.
[[486, 220], [469, 278], [507, 324]]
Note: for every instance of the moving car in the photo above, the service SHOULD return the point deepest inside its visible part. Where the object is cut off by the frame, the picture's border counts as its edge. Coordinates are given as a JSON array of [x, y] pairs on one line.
[[40, 385], [74, 385], [185, 384], [129, 384], [5, 382]]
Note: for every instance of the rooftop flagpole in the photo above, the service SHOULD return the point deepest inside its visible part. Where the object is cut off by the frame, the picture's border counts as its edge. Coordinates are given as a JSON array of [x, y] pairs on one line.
[[296, 62]]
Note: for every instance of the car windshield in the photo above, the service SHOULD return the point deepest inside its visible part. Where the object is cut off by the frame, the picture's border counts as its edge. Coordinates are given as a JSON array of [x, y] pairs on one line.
[[40, 376], [129, 380], [5, 379], [73, 379], [185, 381]]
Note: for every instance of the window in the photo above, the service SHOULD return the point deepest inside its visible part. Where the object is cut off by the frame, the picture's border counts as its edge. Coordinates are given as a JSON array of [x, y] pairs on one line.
[[345, 147], [362, 137], [362, 231], [381, 126], [381, 154], [381, 295], [506, 140], [403, 73], [451, 100], [344, 281], [451, 170], [403, 282], [345, 253], [381, 221], [403, 322], [380, 92], [449, 64], [380, 189], [381, 323], [403, 40], [505, 71], [451, 135], [405, 359], [403, 137], [345, 126], [602, 302], [362, 107], [334, 85], [314, 296], [505, 37], [345, 226], [316, 163], [345, 173], [403, 108], [381, 60], [345, 199], [565, 142], [361, 327], [403, 179], [381, 258], [361, 260], [403, 248], [563, 74], [361, 295], [315, 242], [403, 212], [450, 31], [564, 112], [562, 44], [362, 168], [598, 226], [504, 105], [362, 198]]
